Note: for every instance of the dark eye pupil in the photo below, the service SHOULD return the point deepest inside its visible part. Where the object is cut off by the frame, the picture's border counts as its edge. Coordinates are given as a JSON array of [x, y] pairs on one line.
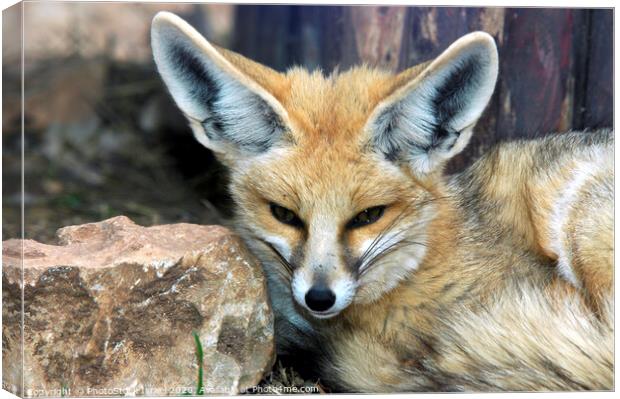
[[284, 215], [367, 216]]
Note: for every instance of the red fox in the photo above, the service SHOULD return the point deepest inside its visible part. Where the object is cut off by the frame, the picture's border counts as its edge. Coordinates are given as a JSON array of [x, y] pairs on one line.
[[393, 275]]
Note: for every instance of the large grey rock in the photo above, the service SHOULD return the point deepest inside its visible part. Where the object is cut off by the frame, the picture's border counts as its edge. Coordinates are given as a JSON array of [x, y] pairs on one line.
[[112, 311]]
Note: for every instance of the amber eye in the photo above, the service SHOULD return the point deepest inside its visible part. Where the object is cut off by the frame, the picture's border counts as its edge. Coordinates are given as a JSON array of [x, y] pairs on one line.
[[366, 217], [285, 216]]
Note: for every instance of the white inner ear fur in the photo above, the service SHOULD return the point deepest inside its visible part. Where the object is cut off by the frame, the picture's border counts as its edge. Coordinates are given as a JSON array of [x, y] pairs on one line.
[[417, 113], [238, 95]]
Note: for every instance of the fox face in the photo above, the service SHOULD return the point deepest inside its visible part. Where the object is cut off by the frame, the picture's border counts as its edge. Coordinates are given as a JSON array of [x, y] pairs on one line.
[[328, 216], [335, 178]]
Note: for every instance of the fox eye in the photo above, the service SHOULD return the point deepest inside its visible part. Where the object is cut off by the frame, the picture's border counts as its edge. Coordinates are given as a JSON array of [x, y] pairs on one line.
[[285, 216], [366, 217]]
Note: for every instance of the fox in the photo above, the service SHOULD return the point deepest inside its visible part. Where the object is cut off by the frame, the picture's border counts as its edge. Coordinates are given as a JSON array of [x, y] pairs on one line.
[[391, 275]]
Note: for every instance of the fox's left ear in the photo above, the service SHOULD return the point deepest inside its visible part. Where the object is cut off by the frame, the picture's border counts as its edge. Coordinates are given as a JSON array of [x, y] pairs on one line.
[[430, 118]]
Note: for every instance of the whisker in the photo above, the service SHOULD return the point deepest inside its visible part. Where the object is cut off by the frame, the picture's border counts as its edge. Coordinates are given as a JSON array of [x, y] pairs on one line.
[[370, 251], [380, 236], [287, 266], [377, 248], [281, 258], [375, 251], [390, 249]]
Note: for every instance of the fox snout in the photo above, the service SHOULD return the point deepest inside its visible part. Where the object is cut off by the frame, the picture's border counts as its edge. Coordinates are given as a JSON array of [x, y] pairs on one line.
[[323, 284], [321, 297]]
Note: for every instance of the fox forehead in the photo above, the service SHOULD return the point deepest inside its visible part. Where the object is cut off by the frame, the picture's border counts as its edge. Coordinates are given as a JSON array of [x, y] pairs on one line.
[[323, 178], [332, 107]]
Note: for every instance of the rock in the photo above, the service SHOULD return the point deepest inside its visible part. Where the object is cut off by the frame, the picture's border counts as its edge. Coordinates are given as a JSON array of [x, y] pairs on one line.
[[112, 310]]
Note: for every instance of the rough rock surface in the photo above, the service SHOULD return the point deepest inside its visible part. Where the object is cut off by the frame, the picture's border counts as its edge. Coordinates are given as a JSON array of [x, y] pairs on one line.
[[112, 310]]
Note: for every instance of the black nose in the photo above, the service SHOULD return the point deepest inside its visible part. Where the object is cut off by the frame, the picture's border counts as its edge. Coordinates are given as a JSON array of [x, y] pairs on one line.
[[320, 298]]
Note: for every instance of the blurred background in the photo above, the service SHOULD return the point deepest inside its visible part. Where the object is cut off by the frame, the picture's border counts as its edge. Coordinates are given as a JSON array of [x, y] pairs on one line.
[[103, 138]]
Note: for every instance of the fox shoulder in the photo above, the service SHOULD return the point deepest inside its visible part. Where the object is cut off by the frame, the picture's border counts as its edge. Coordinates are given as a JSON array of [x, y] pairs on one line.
[[555, 195]]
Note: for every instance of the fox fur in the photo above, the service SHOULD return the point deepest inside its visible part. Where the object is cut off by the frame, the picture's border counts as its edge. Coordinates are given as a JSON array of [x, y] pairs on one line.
[[497, 278]]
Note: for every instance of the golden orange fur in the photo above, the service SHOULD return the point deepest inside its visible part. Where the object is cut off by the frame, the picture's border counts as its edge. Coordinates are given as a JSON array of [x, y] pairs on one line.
[[498, 278]]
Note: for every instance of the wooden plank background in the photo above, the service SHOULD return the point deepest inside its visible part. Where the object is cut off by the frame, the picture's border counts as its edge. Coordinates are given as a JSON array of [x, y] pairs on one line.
[[555, 64]]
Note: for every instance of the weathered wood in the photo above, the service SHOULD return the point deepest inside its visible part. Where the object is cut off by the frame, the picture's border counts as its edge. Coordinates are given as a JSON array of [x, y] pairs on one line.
[[429, 30], [378, 32], [535, 64], [598, 104], [262, 33], [581, 44], [337, 38]]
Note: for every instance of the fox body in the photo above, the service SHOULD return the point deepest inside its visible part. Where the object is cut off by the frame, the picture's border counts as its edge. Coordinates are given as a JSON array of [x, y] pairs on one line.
[[394, 276]]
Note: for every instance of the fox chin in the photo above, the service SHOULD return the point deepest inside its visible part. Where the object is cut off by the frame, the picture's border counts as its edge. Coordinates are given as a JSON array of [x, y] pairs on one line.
[[393, 275]]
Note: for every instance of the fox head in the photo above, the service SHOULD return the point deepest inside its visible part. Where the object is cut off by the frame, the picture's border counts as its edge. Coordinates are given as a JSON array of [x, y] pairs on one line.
[[334, 177]]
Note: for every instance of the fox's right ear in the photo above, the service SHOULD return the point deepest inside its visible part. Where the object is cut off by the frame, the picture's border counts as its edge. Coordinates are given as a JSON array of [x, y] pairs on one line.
[[227, 109], [430, 118]]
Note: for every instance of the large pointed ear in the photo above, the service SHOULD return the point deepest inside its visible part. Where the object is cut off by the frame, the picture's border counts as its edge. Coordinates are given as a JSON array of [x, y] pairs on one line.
[[429, 119], [227, 109]]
